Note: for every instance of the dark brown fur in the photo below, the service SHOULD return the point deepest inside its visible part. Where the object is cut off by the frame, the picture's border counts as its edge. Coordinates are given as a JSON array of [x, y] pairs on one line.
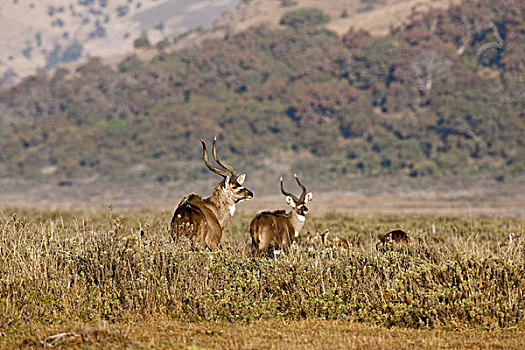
[[397, 236], [271, 229], [196, 219]]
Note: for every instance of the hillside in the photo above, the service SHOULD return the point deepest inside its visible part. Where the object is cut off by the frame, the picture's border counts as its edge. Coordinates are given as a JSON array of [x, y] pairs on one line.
[[39, 35], [441, 97], [375, 16]]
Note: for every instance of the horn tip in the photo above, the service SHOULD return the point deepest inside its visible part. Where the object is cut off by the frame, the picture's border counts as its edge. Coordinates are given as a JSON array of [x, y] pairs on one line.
[[215, 138], [281, 178], [294, 174]]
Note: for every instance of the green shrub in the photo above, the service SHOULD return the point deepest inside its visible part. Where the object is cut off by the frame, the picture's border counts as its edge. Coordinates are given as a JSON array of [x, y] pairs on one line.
[[141, 42], [304, 17]]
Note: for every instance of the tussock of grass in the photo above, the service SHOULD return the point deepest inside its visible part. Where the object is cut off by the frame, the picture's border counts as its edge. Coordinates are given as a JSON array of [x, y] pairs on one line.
[[90, 267]]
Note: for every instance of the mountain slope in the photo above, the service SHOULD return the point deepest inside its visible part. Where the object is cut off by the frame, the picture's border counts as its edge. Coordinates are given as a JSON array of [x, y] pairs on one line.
[[436, 98], [38, 35]]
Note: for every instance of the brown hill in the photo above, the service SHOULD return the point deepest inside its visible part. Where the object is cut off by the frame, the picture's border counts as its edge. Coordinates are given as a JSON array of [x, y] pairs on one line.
[[38, 36]]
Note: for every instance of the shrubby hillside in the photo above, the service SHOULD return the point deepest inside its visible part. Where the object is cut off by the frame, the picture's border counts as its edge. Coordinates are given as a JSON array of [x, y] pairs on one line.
[[38, 35], [442, 96]]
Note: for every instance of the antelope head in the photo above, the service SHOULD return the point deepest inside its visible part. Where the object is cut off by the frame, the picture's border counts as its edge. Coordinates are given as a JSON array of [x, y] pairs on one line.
[[298, 204], [232, 184]]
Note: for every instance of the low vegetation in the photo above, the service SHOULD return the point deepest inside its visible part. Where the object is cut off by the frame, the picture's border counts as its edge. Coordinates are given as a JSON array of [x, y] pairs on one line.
[[304, 17], [84, 268]]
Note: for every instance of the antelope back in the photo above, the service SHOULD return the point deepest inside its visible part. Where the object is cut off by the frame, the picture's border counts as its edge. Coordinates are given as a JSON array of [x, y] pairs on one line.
[[194, 219], [271, 229], [400, 236], [397, 236]]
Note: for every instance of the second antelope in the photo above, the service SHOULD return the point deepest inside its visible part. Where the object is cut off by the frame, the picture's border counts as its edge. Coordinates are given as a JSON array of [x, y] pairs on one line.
[[279, 228], [203, 219]]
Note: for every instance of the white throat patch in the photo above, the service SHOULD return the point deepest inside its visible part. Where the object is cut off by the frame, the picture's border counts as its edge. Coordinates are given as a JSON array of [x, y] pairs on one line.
[[232, 209], [301, 218]]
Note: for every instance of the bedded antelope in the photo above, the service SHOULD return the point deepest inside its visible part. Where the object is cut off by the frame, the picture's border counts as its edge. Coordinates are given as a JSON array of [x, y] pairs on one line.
[[203, 219], [279, 228], [339, 242], [510, 241], [396, 236], [313, 241]]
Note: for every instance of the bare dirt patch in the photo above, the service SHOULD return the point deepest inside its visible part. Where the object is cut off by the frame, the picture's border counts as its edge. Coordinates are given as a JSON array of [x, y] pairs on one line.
[[360, 197], [304, 334]]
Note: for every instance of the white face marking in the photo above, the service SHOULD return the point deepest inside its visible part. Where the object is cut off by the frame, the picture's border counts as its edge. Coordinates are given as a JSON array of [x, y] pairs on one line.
[[297, 233], [244, 199], [301, 218], [232, 209], [260, 238]]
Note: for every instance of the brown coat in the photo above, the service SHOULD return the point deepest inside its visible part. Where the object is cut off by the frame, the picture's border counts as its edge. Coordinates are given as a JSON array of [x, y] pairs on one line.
[[196, 218], [272, 229], [397, 236]]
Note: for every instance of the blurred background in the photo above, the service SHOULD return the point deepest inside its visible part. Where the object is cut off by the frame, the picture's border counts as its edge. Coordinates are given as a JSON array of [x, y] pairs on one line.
[[389, 105]]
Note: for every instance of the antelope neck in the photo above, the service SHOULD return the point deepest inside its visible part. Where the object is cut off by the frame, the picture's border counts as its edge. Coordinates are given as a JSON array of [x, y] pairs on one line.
[[224, 207], [297, 220]]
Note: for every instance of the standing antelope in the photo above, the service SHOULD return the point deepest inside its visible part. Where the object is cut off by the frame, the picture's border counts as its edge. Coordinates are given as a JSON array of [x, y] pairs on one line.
[[278, 228], [204, 219], [397, 236]]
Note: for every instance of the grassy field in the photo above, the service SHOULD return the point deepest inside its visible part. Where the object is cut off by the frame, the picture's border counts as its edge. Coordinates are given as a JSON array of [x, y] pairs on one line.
[[114, 279]]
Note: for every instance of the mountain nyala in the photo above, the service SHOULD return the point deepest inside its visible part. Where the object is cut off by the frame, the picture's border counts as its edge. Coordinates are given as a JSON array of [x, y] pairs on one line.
[[278, 229], [203, 219], [396, 236]]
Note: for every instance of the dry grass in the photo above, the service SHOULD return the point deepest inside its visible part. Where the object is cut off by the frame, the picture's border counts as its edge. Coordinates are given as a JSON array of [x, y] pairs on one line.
[[305, 334], [115, 279], [377, 17]]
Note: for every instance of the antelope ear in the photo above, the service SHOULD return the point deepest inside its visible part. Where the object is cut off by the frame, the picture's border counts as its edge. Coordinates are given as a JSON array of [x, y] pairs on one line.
[[241, 178], [290, 201], [308, 197]]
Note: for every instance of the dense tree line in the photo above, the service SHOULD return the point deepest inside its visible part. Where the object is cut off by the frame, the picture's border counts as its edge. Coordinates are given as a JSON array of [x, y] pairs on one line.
[[442, 96]]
